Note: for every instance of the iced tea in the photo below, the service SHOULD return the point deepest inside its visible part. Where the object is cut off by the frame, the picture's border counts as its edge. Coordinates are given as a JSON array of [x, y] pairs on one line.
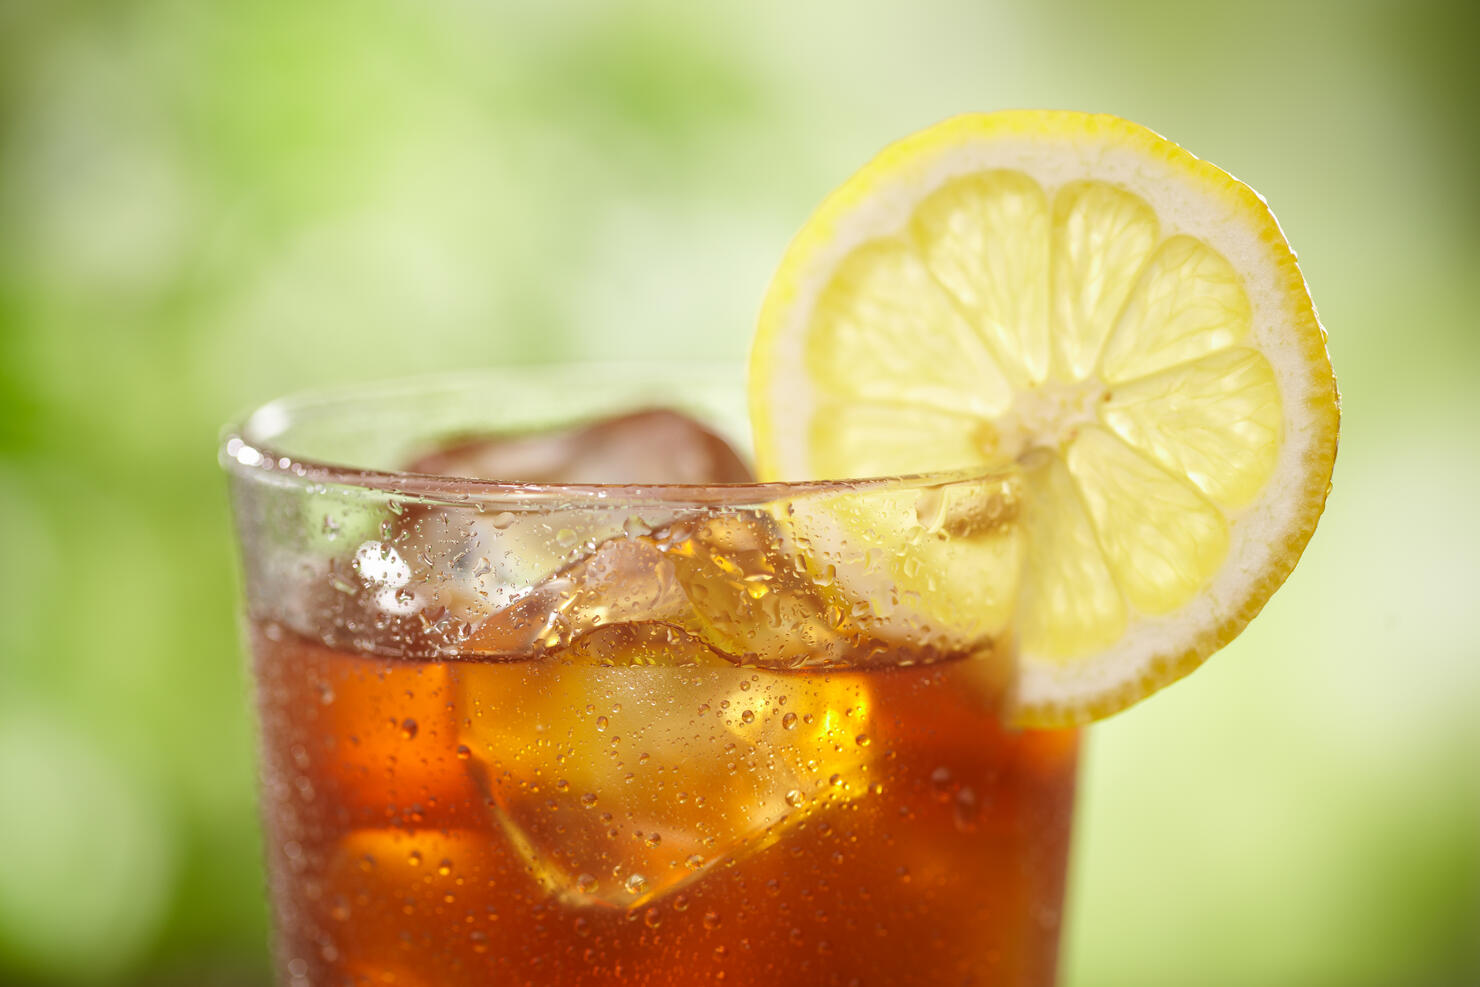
[[639, 739]]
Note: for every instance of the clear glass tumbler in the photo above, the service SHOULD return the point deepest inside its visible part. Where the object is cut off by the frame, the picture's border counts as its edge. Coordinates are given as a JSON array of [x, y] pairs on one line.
[[635, 731]]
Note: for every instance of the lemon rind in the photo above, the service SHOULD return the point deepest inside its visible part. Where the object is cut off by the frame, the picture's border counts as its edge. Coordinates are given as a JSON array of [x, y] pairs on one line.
[[1189, 196]]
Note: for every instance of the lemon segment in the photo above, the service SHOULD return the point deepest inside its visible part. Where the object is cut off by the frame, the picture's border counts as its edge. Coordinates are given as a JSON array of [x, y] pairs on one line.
[[907, 343], [1215, 421], [1162, 539], [895, 558], [985, 240], [1189, 302], [1102, 236], [882, 439], [1073, 306], [1070, 604]]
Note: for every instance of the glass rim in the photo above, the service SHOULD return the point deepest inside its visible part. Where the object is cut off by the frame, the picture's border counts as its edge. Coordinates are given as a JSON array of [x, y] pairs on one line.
[[247, 449]]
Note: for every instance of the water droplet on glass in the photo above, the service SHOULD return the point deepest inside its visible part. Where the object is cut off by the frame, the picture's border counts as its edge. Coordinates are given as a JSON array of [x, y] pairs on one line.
[[635, 884], [967, 809], [789, 721]]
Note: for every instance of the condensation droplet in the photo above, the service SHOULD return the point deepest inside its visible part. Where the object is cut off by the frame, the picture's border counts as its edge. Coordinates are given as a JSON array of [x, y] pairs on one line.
[[967, 809], [635, 884], [789, 721]]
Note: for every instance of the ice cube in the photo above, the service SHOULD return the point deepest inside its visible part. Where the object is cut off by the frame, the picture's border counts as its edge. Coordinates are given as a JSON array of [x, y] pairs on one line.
[[753, 598], [733, 579], [472, 563], [653, 446], [643, 645], [725, 577], [623, 581], [626, 765]]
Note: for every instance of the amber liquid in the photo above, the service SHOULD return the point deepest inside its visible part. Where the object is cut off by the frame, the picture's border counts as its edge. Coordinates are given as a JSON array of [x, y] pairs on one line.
[[445, 823]]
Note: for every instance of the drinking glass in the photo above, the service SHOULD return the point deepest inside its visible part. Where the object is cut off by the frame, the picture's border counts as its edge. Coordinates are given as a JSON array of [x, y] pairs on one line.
[[627, 723]]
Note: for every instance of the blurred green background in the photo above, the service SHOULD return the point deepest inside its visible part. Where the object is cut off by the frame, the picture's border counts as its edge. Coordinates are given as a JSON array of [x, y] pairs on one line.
[[203, 205]]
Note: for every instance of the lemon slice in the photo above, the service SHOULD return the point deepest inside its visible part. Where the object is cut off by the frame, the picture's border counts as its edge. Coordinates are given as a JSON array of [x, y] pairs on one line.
[[1116, 330]]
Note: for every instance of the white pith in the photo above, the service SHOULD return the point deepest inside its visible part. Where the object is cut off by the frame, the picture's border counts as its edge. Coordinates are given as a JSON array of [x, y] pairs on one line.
[[1046, 416]]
